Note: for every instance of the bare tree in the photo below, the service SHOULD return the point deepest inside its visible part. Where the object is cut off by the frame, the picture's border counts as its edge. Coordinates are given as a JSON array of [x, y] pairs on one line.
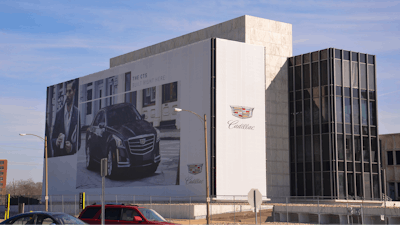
[[24, 188]]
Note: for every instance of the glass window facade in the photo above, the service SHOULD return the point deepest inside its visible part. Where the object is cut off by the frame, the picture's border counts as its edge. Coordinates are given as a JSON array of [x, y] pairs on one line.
[[333, 126]]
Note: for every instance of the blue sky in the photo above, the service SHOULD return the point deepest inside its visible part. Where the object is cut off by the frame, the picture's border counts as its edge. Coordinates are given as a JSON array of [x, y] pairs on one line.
[[46, 42]]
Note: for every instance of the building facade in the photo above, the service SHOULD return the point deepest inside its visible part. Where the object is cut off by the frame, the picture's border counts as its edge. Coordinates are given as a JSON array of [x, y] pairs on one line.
[[334, 150], [3, 176], [390, 147]]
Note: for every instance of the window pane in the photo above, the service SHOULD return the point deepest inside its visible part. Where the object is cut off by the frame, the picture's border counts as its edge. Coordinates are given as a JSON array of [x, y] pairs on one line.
[[316, 107], [315, 80], [306, 76], [299, 113], [308, 150], [300, 184], [362, 58], [309, 187], [338, 90], [338, 72], [355, 93], [317, 184], [327, 184], [389, 157], [325, 105], [325, 147], [367, 185], [350, 185], [372, 110], [398, 159], [346, 73], [375, 179], [298, 77], [349, 148], [341, 185], [347, 110], [339, 110], [299, 148], [354, 56], [363, 74], [364, 110], [371, 77], [324, 73], [340, 147], [306, 58], [317, 149], [359, 185], [338, 54], [291, 79], [356, 110], [307, 93], [357, 147], [366, 149], [374, 152]]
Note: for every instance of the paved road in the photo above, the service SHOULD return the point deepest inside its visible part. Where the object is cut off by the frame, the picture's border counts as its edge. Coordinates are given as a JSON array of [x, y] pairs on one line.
[[166, 173]]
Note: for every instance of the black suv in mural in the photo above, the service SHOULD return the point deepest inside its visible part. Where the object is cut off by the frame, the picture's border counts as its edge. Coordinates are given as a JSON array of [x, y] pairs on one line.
[[120, 134]]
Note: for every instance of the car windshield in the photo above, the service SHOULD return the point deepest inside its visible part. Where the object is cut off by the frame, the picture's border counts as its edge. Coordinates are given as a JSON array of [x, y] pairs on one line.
[[67, 219], [152, 215], [122, 115]]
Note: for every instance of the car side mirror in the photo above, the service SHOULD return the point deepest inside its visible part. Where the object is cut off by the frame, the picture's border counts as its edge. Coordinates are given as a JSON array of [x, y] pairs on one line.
[[101, 125], [137, 219], [143, 116]]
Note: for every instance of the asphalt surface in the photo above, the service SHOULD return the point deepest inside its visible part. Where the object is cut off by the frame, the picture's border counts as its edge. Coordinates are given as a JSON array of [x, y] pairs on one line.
[[166, 173]]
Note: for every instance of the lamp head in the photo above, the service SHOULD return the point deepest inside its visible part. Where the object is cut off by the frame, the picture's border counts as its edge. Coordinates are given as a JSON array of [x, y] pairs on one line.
[[178, 110], [22, 134]]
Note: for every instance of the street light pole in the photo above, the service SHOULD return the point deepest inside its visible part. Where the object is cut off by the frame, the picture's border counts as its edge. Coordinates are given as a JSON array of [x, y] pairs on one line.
[[206, 154], [46, 171]]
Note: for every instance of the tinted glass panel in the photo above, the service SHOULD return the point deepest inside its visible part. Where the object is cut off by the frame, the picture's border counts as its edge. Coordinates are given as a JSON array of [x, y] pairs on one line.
[[355, 93], [367, 185], [397, 157], [356, 110], [324, 54], [291, 61], [350, 185], [346, 73], [347, 110], [299, 110], [364, 111], [306, 76], [315, 78], [366, 149], [324, 72], [291, 79], [317, 184], [327, 184], [299, 148], [298, 95], [339, 90], [308, 150], [307, 93], [375, 186], [354, 74], [317, 150], [298, 60], [340, 143], [113, 214], [316, 107], [325, 110], [372, 109], [354, 56], [357, 147], [314, 56], [339, 110], [338, 72], [357, 129], [309, 187], [341, 186], [362, 58], [371, 77], [389, 157], [90, 213], [359, 185], [338, 54], [371, 59], [346, 55], [371, 95], [325, 147], [340, 128], [364, 94], [349, 148], [300, 184], [306, 58], [347, 92], [297, 75], [363, 75]]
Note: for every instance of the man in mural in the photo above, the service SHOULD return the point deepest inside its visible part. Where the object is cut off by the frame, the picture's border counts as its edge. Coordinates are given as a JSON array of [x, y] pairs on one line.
[[65, 139]]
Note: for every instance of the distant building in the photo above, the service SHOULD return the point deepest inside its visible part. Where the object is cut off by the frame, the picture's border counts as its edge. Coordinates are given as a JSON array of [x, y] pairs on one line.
[[333, 126], [3, 176], [390, 147]]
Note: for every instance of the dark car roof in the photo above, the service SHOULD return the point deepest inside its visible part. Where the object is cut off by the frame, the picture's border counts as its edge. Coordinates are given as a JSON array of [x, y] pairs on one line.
[[116, 106]]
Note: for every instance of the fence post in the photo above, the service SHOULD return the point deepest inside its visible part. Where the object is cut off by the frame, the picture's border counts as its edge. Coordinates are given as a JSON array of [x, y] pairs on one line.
[[319, 215], [234, 209], [287, 213], [362, 214]]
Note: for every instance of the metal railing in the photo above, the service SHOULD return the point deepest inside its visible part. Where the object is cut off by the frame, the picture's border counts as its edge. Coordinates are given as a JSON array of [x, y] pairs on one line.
[[228, 209]]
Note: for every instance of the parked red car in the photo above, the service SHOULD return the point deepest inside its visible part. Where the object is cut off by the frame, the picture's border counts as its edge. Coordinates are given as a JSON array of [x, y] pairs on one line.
[[121, 214]]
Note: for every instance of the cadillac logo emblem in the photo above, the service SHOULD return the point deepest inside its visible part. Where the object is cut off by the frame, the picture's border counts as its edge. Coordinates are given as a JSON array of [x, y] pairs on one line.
[[242, 112], [142, 141], [195, 168]]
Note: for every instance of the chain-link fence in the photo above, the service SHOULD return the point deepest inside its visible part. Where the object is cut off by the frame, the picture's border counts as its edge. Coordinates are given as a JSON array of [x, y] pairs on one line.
[[229, 209]]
